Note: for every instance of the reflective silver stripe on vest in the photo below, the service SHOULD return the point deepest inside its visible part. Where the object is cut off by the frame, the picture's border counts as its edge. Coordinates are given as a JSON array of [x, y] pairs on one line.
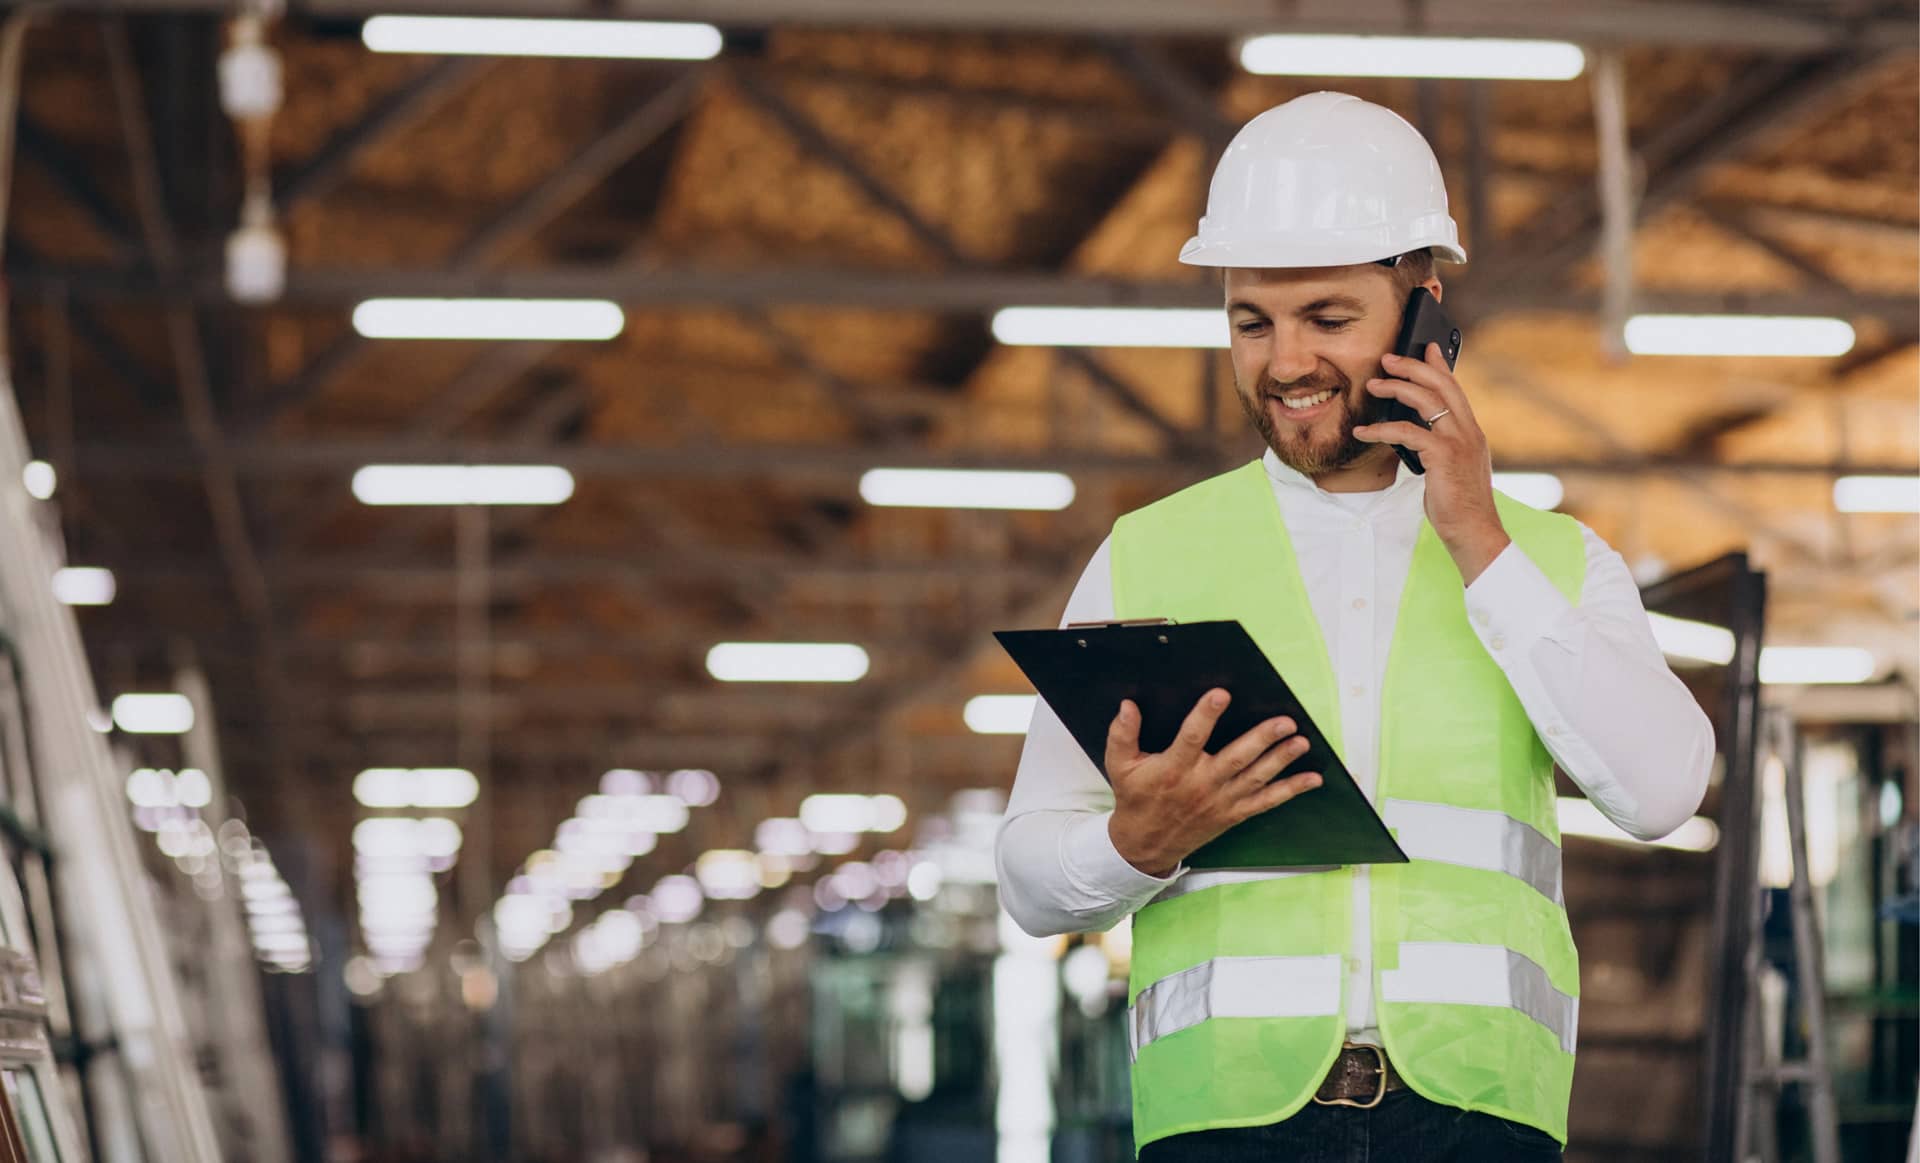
[[1199, 879], [1477, 838], [1235, 987], [1481, 975]]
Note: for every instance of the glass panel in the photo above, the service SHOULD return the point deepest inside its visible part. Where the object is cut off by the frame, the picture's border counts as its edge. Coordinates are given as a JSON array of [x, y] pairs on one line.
[[30, 1108]]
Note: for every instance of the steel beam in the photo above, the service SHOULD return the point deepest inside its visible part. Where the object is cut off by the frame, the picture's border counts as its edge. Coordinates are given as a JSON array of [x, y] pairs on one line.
[[1196, 108], [822, 145], [76, 182], [972, 292], [1741, 225], [1692, 23], [640, 127], [211, 459], [596, 744], [1128, 399], [388, 577], [870, 423], [534, 209], [412, 101], [834, 464], [1762, 101]]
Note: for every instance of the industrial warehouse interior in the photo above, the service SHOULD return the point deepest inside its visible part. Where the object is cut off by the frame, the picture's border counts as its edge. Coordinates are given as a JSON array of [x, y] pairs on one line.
[[505, 506]]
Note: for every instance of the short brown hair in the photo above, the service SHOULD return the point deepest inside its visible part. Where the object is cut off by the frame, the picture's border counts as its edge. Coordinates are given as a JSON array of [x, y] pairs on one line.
[[1414, 268]]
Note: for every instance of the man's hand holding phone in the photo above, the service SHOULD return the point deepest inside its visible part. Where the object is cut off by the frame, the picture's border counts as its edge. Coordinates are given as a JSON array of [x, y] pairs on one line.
[[1168, 804], [1454, 450]]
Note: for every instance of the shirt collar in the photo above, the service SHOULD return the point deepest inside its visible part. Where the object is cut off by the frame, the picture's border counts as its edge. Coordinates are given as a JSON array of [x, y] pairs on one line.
[[1288, 477]]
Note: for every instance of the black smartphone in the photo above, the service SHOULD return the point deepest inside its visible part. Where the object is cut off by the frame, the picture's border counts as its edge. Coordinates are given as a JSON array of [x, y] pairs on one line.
[[1423, 323]]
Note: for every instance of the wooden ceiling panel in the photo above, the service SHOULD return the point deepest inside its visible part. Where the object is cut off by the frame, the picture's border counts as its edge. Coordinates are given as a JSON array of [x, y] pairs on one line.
[[744, 191], [1682, 250], [1882, 260], [1055, 68]]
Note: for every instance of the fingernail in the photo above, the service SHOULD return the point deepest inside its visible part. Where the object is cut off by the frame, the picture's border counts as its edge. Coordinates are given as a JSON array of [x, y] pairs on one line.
[[1313, 781], [1283, 727], [1217, 698]]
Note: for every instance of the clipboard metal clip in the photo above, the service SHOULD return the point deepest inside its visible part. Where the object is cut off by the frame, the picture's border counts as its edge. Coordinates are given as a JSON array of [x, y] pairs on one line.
[[1120, 622]]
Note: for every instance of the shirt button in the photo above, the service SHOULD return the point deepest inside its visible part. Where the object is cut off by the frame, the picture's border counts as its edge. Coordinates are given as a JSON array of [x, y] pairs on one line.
[[1554, 730], [1356, 690], [1499, 642], [1359, 603], [1481, 615]]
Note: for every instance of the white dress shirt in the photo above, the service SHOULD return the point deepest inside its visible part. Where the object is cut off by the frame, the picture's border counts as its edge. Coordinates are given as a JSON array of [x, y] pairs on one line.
[[1591, 678]]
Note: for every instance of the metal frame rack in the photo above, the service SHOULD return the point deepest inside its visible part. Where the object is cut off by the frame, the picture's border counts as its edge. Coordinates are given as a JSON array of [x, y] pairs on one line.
[[144, 1094]]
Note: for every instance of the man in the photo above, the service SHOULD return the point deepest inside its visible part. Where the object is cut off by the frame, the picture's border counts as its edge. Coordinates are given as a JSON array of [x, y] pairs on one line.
[[1452, 643]]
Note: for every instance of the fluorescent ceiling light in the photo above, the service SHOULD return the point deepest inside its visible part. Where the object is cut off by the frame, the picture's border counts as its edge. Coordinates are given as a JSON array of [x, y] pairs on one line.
[[192, 788], [156, 714], [462, 484], [889, 812], [676, 899], [1736, 335], [542, 319], [1877, 494], [834, 813], [1696, 641], [1000, 714], [83, 586], [1110, 327], [1791, 665], [947, 488], [658, 814], [1578, 817], [39, 479], [281, 943], [428, 787], [1542, 490], [782, 836], [695, 786], [728, 874], [1412, 56], [444, 787], [841, 813], [480, 36], [787, 662]]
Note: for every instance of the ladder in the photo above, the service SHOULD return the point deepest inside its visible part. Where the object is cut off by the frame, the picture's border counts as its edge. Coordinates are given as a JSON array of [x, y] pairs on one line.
[[1765, 1070]]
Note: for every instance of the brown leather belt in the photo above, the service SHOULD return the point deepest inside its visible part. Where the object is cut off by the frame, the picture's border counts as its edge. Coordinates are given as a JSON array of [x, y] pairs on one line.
[[1361, 1076]]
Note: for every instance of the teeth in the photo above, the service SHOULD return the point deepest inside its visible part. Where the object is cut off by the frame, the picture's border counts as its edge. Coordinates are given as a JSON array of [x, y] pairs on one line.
[[1308, 401]]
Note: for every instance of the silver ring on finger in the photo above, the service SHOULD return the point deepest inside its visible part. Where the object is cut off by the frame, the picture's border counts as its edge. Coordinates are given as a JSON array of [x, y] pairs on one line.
[[1438, 415]]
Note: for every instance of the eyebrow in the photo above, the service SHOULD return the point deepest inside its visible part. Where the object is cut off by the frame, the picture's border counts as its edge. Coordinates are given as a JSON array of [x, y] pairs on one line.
[[1324, 303]]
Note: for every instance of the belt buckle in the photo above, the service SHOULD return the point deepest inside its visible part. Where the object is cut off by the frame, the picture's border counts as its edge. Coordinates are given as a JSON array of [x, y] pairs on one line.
[[1379, 1095]]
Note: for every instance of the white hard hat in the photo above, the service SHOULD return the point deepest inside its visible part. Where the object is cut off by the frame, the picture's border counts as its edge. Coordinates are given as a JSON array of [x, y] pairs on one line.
[[1324, 180]]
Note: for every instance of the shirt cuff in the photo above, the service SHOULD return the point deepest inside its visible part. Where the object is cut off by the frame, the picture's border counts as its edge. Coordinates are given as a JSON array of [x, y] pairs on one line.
[[1513, 605], [1097, 868]]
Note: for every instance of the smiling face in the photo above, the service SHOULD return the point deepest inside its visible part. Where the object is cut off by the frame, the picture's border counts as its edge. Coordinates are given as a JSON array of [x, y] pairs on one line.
[[1305, 343]]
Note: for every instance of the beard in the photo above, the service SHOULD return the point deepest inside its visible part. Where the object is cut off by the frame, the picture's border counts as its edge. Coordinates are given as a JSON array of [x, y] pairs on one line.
[[1312, 451]]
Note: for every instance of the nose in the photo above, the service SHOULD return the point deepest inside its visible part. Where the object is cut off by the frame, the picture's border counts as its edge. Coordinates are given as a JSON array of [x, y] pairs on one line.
[[1290, 360]]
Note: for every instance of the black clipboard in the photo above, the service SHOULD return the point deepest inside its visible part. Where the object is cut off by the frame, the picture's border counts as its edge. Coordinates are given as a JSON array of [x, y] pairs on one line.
[[1084, 672]]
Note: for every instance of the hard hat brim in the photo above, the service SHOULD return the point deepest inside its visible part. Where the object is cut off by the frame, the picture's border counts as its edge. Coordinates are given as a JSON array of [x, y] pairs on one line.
[[1296, 253]]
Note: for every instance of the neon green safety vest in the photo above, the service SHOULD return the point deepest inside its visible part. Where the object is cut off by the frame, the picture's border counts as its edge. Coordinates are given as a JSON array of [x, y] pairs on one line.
[[1236, 1007]]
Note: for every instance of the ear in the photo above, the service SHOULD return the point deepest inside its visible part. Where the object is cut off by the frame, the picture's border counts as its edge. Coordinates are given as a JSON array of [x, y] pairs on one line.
[[1433, 287]]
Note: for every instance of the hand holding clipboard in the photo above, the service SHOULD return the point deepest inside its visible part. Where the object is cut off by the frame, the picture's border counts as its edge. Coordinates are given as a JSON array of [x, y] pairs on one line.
[[1087, 674], [1168, 804]]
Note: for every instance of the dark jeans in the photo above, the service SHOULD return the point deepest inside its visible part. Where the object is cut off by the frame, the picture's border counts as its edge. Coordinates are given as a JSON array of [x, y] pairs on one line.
[[1404, 1128]]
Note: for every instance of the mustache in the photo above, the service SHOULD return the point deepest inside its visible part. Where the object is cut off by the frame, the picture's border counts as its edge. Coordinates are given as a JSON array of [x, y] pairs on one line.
[[1319, 381]]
